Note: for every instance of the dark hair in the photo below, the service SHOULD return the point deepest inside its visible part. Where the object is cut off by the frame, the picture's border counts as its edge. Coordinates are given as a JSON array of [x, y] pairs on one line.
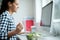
[[4, 5]]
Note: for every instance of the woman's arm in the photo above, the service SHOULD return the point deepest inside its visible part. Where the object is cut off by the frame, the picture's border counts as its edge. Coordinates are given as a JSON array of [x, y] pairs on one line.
[[16, 31], [12, 33]]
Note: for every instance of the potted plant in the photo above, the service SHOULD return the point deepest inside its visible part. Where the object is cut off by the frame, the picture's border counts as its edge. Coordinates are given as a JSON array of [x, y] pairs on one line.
[[33, 36]]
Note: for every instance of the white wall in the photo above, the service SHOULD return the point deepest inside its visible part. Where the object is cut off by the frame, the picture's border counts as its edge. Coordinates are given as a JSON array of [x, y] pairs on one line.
[[26, 10], [56, 9], [56, 12], [38, 10]]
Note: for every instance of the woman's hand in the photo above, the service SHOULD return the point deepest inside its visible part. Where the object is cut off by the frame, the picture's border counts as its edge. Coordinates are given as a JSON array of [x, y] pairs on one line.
[[19, 27], [16, 31]]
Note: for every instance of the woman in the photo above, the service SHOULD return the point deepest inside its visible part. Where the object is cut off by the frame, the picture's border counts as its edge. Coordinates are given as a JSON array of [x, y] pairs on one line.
[[8, 29]]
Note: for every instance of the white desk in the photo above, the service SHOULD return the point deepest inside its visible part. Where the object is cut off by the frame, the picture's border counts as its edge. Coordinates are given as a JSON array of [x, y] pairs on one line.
[[44, 35], [22, 37], [50, 38]]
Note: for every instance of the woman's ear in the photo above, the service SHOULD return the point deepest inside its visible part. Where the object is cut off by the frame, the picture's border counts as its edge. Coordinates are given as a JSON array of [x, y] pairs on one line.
[[9, 4]]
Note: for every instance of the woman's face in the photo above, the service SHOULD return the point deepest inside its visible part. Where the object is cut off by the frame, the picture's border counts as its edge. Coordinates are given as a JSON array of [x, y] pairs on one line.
[[14, 6]]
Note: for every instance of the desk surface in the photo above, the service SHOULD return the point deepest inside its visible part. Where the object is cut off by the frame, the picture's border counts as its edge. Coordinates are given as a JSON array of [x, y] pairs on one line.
[[44, 34]]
